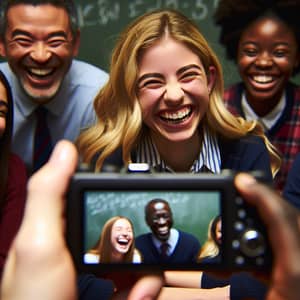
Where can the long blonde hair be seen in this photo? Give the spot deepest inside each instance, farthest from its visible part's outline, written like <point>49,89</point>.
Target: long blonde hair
<point>117,107</point>
<point>103,247</point>
<point>210,248</point>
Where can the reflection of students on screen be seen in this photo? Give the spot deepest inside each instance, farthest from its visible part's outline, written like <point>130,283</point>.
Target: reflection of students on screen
<point>115,245</point>
<point>210,251</point>
<point>164,243</point>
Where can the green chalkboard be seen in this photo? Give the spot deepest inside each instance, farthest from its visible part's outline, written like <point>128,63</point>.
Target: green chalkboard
<point>192,211</point>
<point>102,20</point>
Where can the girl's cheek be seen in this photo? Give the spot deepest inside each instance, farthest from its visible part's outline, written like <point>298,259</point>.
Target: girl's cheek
<point>2,126</point>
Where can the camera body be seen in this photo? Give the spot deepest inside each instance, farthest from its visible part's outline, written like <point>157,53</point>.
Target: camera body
<point>195,199</point>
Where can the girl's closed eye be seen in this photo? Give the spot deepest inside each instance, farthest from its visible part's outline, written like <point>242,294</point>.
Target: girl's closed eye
<point>280,52</point>
<point>189,76</point>
<point>250,51</point>
<point>189,73</point>
<point>152,84</point>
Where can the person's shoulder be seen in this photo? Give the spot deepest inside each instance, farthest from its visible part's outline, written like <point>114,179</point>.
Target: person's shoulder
<point>113,162</point>
<point>249,145</point>
<point>83,65</point>
<point>17,169</point>
<point>251,139</point>
<point>6,70</point>
<point>86,71</point>
<point>294,170</point>
<point>143,235</point>
<point>187,236</point>
<point>15,162</point>
<point>291,190</point>
<point>4,66</point>
<point>297,160</point>
<point>248,153</point>
<point>245,142</point>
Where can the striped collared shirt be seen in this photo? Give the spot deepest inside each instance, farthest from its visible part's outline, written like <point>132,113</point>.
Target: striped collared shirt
<point>209,159</point>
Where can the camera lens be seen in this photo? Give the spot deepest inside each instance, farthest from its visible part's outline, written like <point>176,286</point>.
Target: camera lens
<point>252,243</point>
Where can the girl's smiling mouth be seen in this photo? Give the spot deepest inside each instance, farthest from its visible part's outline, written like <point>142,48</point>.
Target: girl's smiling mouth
<point>177,116</point>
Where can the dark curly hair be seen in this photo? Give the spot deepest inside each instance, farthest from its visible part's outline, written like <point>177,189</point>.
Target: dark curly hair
<point>233,16</point>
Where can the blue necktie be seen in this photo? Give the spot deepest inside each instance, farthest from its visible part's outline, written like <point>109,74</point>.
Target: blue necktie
<point>42,139</point>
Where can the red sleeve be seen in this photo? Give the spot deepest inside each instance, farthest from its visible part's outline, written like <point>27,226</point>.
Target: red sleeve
<point>12,213</point>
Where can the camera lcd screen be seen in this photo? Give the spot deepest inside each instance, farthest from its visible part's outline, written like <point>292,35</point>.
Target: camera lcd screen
<point>162,222</point>
<point>115,222</point>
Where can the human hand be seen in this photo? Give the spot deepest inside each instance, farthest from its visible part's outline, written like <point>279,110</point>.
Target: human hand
<point>283,226</point>
<point>39,264</point>
<point>146,288</point>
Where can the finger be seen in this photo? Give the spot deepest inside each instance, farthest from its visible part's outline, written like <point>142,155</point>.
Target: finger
<point>39,262</point>
<point>49,184</point>
<point>146,288</point>
<point>43,221</point>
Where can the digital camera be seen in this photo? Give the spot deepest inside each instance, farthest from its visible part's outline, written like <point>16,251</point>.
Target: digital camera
<point>194,199</point>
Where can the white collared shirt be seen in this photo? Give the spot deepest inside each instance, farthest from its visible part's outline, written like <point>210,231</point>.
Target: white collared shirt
<point>270,119</point>
<point>209,158</point>
<point>172,241</point>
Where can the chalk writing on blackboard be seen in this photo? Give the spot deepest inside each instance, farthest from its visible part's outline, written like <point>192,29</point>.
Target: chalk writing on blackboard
<point>106,12</point>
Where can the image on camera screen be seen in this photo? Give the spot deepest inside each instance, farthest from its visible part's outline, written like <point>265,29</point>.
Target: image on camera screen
<point>151,227</point>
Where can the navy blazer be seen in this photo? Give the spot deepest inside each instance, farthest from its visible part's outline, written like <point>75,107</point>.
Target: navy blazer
<point>291,191</point>
<point>185,251</point>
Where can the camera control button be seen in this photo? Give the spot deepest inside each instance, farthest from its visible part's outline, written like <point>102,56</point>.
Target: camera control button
<point>241,213</point>
<point>239,200</point>
<point>239,226</point>
<point>252,243</point>
<point>235,244</point>
<point>239,260</point>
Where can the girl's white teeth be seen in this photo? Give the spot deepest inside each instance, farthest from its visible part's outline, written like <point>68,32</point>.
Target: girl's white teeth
<point>178,115</point>
<point>263,78</point>
<point>122,240</point>
<point>40,72</point>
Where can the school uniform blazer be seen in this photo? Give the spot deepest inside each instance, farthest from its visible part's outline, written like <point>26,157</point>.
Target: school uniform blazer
<point>291,191</point>
<point>185,251</point>
<point>284,134</point>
